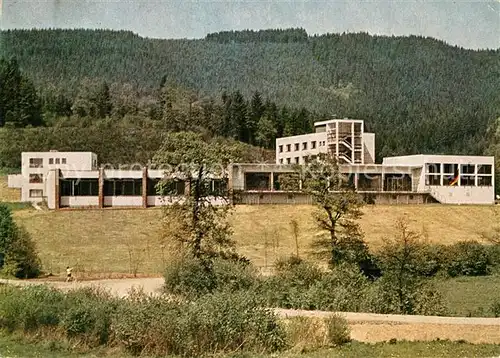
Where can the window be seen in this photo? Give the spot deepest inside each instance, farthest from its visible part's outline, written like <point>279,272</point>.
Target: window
<point>51,160</point>
<point>304,146</point>
<point>484,169</point>
<point>296,147</point>
<point>36,178</point>
<point>484,181</point>
<point>281,148</point>
<point>467,180</point>
<point>313,144</point>
<point>433,168</point>
<point>281,160</point>
<point>450,168</point>
<point>288,147</point>
<point>296,160</point>
<point>63,160</point>
<point>125,187</point>
<point>36,193</point>
<point>468,169</point>
<point>36,163</point>
<point>86,187</point>
<point>306,159</point>
<point>433,180</point>
<point>160,187</point>
<point>58,161</point>
<point>79,187</point>
<point>288,161</point>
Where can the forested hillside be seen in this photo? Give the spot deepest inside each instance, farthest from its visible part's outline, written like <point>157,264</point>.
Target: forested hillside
<point>418,94</point>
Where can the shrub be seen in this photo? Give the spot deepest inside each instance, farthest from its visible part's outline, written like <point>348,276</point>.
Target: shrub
<point>218,322</point>
<point>337,330</point>
<point>495,308</point>
<point>30,308</point>
<point>305,333</point>
<point>88,315</point>
<point>468,258</point>
<point>191,278</point>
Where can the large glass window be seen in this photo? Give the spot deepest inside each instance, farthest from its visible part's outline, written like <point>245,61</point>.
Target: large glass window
<point>484,181</point>
<point>468,169</point>
<point>79,187</point>
<point>433,180</point>
<point>484,169</point>
<point>123,187</point>
<point>433,167</point>
<point>467,180</point>
<point>450,168</point>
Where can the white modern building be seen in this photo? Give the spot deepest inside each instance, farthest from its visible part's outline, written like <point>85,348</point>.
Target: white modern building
<point>74,179</point>
<point>344,138</point>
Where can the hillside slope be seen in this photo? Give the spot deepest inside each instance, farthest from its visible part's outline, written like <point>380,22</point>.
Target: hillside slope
<point>418,94</point>
<point>121,241</point>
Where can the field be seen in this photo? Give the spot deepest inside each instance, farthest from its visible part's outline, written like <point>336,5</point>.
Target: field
<point>11,346</point>
<point>125,241</point>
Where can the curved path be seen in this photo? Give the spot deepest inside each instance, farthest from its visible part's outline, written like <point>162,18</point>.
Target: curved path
<point>365,327</point>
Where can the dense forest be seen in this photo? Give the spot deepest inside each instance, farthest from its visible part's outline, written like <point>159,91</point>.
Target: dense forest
<point>419,95</point>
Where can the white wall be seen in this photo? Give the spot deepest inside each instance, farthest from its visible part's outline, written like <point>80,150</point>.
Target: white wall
<point>15,181</point>
<point>369,147</point>
<point>123,201</point>
<point>301,153</point>
<point>79,201</point>
<point>464,194</point>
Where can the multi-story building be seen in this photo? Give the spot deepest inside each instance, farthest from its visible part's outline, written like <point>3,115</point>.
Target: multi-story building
<point>343,138</point>
<point>73,179</point>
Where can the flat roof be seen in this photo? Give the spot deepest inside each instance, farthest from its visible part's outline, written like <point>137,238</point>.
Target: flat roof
<point>322,123</point>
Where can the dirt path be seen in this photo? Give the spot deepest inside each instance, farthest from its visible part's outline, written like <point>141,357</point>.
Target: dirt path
<point>365,327</point>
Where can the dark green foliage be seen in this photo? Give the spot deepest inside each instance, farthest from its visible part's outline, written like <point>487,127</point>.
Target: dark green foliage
<point>418,94</point>
<point>468,258</point>
<point>19,102</point>
<point>278,35</point>
<point>300,284</point>
<point>188,277</point>
<point>30,308</point>
<point>18,256</point>
<point>495,308</point>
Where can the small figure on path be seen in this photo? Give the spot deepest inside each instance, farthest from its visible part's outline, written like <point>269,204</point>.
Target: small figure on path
<point>69,277</point>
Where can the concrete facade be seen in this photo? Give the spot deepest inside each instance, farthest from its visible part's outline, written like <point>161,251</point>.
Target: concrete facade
<point>77,182</point>
<point>343,138</point>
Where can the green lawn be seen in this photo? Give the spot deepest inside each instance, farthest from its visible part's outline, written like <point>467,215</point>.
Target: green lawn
<point>16,347</point>
<point>470,296</point>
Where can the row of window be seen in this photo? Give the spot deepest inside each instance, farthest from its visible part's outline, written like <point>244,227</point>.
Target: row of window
<point>296,160</point>
<point>435,168</point>
<point>462,180</point>
<point>38,162</point>
<point>296,146</point>
<point>133,187</point>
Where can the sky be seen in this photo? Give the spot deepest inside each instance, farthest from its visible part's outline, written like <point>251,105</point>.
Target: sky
<point>469,24</point>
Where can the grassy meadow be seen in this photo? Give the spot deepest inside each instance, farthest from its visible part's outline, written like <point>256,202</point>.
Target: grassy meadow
<point>129,240</point>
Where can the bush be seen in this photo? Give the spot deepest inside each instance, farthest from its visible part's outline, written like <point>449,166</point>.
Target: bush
<point>337,330</point>
<point>299,284</point>
<point>30,308</point>
<point>88,315</point>
<point>189,277</point>
<point>305,333</point>
<point>495,308</point>
<point>468,258</point>
<point>420,297</point>
<point>219,322</point>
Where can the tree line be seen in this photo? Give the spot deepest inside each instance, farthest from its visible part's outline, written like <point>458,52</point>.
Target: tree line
<point>419,95</point>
